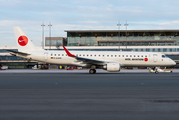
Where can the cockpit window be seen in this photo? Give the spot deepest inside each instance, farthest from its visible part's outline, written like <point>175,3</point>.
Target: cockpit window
<point>164,56</point>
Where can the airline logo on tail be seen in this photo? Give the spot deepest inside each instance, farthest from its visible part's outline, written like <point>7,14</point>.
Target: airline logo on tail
<point>23,40</point>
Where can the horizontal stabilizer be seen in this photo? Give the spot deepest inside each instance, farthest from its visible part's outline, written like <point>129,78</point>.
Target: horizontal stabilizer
<point>22,53</point>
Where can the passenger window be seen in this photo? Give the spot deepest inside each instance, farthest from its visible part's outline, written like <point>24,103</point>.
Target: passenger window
<point>103,55</point>
<point>130,55</point>
<point>95,55</point>
<point>134,55</point>
<point>115,55</point>
<point>138,56</point>
<point>66,54</point>
<point>141,55</point>
<point>58,54</point>
<point>119,55</point>
<point>126,55</point>
<point>99,55</point>
<point>62,54</point>
<point>54,54</point>
<point>122,55</point>
<point>80,55</point>
<point>91,55</point>
<point>83,55</point>
<point>146,56</point>
<point>51,54</point>
<point>163,56</point>
<point>107,55</point>
<point>111,55</point>
<point>87,55</point>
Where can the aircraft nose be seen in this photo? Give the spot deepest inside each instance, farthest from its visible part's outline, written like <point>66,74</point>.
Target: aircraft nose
<point>173,62</point>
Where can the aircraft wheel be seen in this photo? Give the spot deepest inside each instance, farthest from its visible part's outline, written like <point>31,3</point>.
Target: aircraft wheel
<point>156,72</point>
<point>92,71</point>
<point>171,71</point>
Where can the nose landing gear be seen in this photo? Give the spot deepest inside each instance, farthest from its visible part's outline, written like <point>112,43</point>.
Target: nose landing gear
<point>157,70</point>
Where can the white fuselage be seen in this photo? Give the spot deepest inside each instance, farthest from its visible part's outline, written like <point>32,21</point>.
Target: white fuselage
<point>133,59</point>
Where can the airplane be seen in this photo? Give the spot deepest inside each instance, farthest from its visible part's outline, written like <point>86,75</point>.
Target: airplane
<point>112,61</point>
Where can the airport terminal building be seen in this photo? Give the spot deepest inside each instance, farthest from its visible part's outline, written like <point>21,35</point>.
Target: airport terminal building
<point>165,41</point>
<point>123,37</point>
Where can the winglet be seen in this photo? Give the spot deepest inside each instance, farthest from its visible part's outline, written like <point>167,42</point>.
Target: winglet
<point>68,53</point>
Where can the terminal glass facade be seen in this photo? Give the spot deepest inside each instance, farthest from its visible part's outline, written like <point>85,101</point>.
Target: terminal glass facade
<point>116,38</point>
<point>55,41</point>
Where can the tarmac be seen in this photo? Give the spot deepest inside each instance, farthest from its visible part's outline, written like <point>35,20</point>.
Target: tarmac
<point>76,71</point>
<point>78,95</point>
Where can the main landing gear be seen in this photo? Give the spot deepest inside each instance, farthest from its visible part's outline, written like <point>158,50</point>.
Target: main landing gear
<point>92,71</point>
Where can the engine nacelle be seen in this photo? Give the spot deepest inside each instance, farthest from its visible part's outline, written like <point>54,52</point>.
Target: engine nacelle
<point>112,67</point>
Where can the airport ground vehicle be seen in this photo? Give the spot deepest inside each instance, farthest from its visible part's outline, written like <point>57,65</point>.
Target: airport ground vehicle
<point>40,66</point>
<point>2,68</point>
<point>111,61</point>
<point>80,68</point>
<point>70,68</point>
<point>159,70</point>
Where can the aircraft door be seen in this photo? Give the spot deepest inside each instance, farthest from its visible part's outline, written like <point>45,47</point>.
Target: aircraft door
<point>46,56</point>
<point>155,57</point>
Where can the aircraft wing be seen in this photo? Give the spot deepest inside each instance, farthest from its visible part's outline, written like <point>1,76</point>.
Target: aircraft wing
<point>16,52</point>
<point>88,60</point>
<point>85,60</point>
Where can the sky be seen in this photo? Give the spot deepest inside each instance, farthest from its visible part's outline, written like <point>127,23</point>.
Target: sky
<point>83,15</point>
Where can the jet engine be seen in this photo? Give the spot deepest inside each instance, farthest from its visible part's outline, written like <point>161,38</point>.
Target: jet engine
<point>112,67</point>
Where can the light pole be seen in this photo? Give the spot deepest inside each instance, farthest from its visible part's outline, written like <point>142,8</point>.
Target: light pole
<point>42,35</point>
<point>50,32</point>
<point>126,33</point>
<point>118,38</point>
